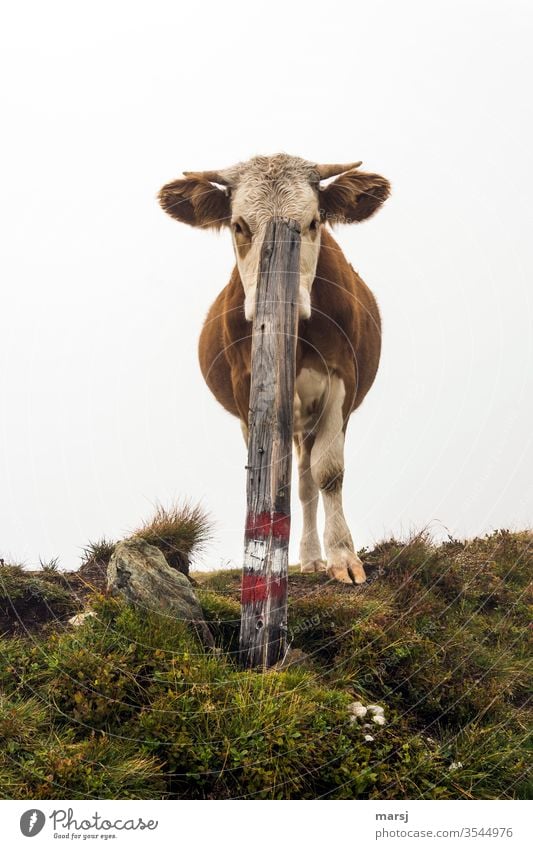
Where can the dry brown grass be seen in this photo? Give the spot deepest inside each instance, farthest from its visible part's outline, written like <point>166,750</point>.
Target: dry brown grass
<point>179,531</point>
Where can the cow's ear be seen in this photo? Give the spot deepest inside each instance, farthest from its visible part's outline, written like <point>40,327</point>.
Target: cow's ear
<point>196,202</point>
<point>353,196</point>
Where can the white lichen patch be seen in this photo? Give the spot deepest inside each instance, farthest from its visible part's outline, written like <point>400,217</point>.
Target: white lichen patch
<point>80,618</point>
<point>375,713</point>
<point>357,709</point>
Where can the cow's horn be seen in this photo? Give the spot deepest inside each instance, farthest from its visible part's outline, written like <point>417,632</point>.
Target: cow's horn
<point>325,171</point>
<point>210,176</point>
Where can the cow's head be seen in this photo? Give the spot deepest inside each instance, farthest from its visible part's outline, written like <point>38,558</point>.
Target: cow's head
<point>246,196</point>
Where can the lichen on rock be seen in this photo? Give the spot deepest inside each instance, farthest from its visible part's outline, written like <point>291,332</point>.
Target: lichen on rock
<point>140,573</point>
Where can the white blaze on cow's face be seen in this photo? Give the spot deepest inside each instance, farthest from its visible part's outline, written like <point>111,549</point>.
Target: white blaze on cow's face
<point>282,187</point>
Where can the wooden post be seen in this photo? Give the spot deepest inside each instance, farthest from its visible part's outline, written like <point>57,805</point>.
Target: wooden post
<point>263,637</point>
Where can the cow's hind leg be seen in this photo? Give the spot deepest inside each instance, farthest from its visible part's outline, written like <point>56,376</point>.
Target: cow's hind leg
<point>327,467</point>
<point>310,549</point>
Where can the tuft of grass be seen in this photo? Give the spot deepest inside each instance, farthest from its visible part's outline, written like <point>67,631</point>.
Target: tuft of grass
<point>98,552</point>
<point>179,531</point>
<point>50,566</point>
<point>53,765</point>
<point>95,560</point>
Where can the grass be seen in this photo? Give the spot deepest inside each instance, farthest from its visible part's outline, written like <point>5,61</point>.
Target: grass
<point>98,552</point>
<point>177,531</point>
<point>28,600</point>
<point>130,705</point>
<point>50,566</point>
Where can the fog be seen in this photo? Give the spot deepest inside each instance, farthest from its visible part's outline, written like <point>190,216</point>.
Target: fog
<point>104,410</point>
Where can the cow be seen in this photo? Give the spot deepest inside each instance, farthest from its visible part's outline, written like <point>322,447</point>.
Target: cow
<point>339,327</point>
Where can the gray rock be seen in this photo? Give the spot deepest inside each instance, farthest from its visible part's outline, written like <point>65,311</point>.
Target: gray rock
<point>292,657</point>
<point>140,573</point>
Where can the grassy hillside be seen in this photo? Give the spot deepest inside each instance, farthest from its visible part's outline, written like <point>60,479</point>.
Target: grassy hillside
<point>129,705</point>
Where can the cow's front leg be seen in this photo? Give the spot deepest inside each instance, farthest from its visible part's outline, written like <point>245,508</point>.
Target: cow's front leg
<point>327,466</point>
<point>310,550</point>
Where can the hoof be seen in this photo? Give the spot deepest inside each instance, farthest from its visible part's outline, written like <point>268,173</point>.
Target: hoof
<point>345,566</point>
<point>313,566</point>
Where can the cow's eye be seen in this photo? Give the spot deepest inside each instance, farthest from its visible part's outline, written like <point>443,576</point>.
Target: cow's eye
<point>240,228</point>
<point>313,225</point>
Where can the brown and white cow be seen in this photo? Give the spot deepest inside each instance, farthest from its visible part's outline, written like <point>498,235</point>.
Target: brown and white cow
<point>339,332</point>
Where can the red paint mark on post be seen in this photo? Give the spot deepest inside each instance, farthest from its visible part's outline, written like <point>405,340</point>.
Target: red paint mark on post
<point>258,588</point>
<point>264,525</point>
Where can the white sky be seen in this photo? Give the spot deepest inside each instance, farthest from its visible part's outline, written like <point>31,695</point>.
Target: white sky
<point>103,408</point>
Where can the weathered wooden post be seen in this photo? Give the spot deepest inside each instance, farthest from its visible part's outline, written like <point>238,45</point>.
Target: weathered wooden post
<point>263,637</point>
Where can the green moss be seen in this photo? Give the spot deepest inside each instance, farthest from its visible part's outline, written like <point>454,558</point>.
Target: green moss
<point>16,584</point>
<point>27,600</point>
